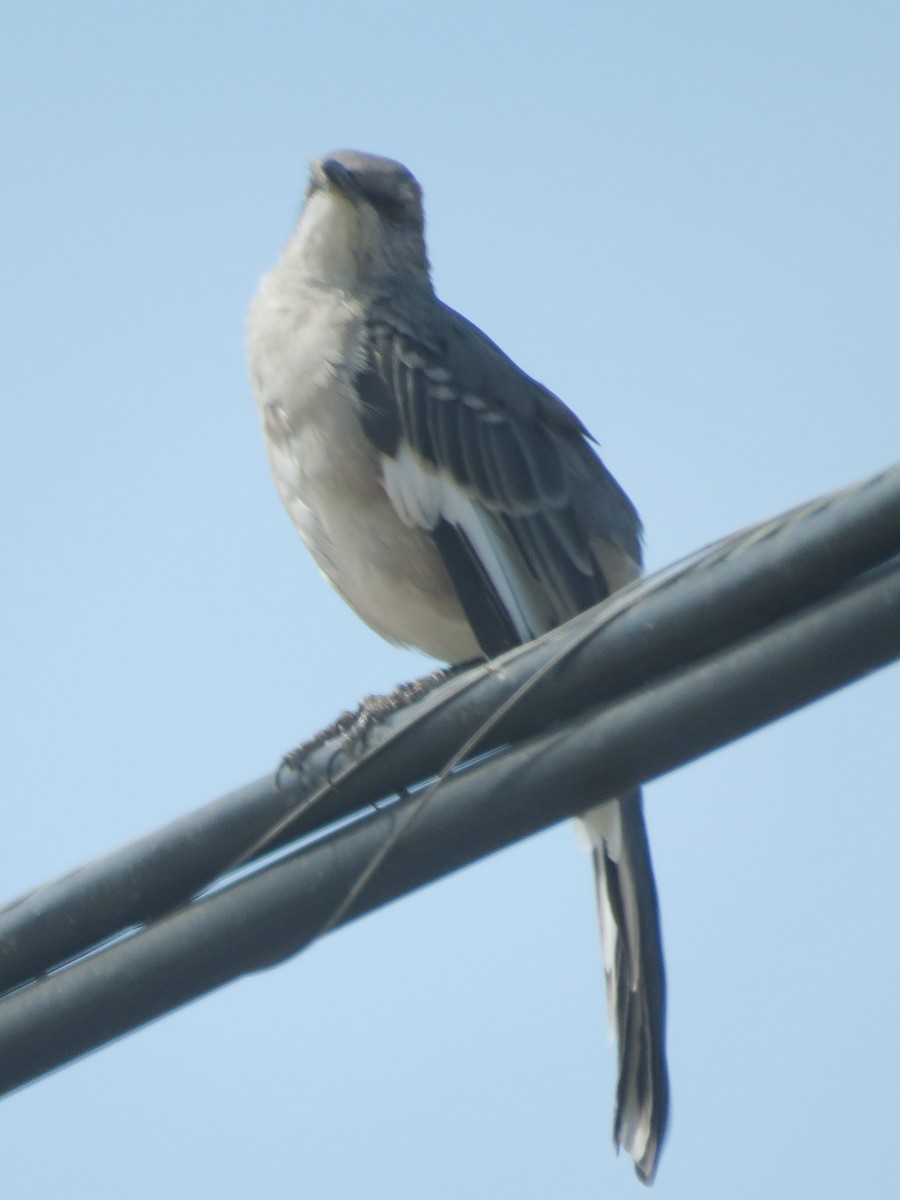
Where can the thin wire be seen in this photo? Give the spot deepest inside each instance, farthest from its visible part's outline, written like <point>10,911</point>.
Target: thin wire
<point>622,601</point>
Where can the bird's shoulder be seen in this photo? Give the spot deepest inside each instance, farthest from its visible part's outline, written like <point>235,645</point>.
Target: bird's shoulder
<point>422,333</point>
<point>434,386</point>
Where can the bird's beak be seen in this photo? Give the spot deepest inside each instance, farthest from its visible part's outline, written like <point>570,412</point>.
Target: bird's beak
<point>332,174</point>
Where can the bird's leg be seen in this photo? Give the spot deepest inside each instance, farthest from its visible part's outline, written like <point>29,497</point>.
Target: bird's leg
<point>353,726</point>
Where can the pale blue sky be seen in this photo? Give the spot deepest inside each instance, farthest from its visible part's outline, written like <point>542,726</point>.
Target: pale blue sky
<point>683,219</point>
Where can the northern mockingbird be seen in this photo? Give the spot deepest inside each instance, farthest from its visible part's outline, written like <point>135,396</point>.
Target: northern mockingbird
<point>458,506</point>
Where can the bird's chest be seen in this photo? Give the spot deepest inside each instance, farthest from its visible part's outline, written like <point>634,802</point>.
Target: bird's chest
<point>302,361</point>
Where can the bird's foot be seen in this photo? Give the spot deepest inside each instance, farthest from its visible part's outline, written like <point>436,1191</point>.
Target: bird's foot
<point>353,726</point>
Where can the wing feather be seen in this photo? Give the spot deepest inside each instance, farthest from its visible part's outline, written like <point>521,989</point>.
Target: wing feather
<point>515,478</point>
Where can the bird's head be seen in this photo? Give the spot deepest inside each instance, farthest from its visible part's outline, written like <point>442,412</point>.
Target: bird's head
<point>362,220</point>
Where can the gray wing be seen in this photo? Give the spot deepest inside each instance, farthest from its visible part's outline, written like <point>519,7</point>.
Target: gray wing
<point>532,529</point>
<point>531,526</point>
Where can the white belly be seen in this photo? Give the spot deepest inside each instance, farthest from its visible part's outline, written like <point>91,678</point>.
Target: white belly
<point>329,478</point>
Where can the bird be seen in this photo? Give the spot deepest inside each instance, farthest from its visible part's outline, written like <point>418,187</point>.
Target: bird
<point>459,507</point>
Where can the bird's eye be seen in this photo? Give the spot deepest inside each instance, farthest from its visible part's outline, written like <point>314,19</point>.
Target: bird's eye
<point>392,209</point>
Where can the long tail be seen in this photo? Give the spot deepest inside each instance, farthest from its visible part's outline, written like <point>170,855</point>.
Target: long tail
<point>635,976</point>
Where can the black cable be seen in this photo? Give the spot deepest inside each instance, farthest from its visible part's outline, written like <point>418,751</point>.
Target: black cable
<point>605,750</point>
<point>677,617</point>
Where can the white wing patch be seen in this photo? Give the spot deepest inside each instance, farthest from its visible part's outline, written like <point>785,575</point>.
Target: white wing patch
<point>423,495</point>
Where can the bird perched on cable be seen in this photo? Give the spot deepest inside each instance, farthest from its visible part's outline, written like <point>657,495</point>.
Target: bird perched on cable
<point>458,506</point>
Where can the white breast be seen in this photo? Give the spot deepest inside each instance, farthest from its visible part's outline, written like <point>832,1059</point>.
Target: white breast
<point>329,475</point>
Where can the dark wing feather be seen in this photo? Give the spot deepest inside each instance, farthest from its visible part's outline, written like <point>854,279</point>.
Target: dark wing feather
<point>484,608</point>
<point>469,418</point>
